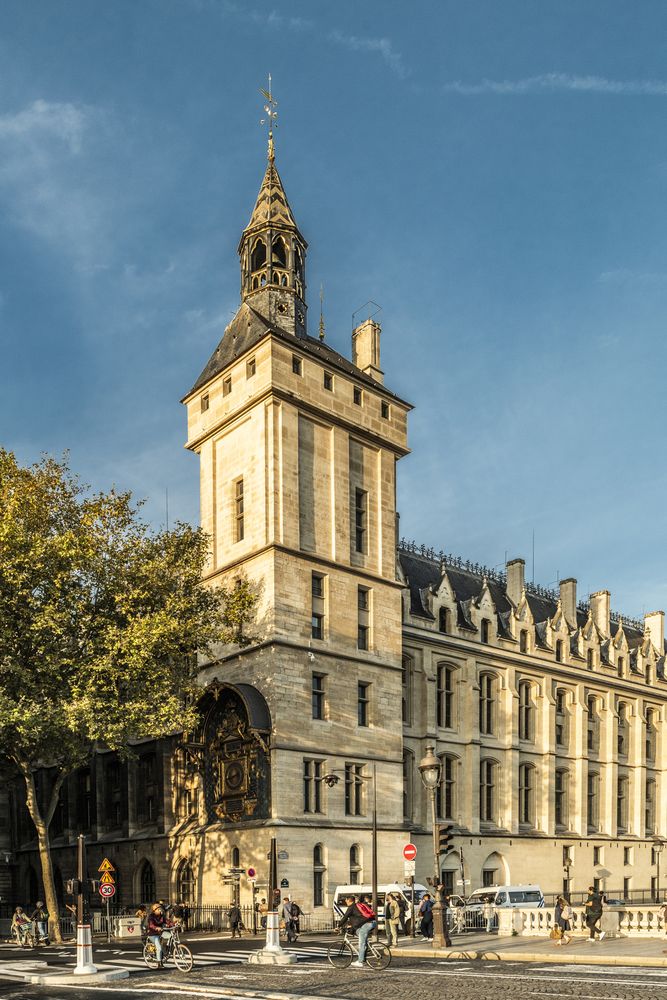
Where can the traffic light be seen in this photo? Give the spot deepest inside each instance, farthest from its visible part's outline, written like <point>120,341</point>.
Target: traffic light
<point>445,837</point>
<point>73,887</point>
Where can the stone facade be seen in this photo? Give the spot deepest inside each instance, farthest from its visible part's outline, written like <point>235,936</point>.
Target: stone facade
<point>549,715</point>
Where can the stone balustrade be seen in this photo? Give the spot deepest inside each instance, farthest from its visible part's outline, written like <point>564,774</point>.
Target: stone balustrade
<point>618,921</point>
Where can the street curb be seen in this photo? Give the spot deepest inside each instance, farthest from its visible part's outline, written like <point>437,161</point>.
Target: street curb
<point>59,979</point>
<point>565,958</point>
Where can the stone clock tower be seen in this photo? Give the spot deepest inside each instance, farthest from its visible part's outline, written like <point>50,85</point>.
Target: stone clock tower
<point>298,448</point>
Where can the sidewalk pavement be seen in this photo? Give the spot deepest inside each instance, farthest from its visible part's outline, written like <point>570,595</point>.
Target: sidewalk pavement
<point>635,951</point>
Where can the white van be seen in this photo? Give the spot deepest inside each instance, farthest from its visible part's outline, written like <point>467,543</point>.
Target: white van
<point>339,905</point>
<point>503,896</point>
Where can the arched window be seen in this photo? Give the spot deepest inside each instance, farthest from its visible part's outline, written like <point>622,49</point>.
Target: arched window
<point>593,730</point>
<point>408,784</point>
<point>279,252</point>
<point>526,712</point>
<point>622,730</point>
<point>562,721</point>
<point>406,682</point>
<point>622,804</point>
<point>298,263</point>
<point>593,801</point>
<point>527,795</point>
<point>487,704</point>
<point>236,857</point>
<point>319,870</point>
<point>445,795</point>
<point>355,865</point>
<point>258,257</point>
<point>650,737</point>
<point>649,807</point>
<point>561,789</point>
<point>185,883</point>
<point>488,793</point>
<point>445,696</point>
<point>147,883</point>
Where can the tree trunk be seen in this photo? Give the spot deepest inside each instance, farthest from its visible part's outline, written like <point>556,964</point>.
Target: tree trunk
<point>42,827</point>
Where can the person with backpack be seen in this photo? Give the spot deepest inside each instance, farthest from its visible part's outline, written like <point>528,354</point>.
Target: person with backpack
<point>40,918</point>
<point>296,916</point>
<point>426,913</point>
<point>361,920</point>
<point>562,916</point>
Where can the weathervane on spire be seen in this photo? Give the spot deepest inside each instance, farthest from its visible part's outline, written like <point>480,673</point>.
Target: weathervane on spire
<point>270,109</point>
<point>321,312</point>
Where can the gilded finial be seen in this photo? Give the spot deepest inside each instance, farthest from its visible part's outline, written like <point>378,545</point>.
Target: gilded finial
<point>321,312</point>
<point>270,109</point>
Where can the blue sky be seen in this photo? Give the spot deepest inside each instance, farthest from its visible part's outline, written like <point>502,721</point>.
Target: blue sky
<point>493,174</point>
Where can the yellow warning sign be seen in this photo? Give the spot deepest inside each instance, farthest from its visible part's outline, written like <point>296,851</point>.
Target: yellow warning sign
<point>107,878</point>
<point>106,866</point>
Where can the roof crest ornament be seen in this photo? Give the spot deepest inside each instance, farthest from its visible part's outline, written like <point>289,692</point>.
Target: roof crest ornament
<point>271,112</point>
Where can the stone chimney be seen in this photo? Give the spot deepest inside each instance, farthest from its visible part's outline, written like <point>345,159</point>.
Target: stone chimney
<point>515,579</point>
<point>654,624</point>
<point>568,600</point>
<point>600,608</point>
<point>366,349</point>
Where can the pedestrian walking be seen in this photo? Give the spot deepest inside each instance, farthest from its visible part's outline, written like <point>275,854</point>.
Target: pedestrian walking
<point>40,918</point>
<point>489,913</point>
<point>403,906</point>
<point>563,915</point>
<point>263,910</point>
<point>593,908</point>
<point>392,919</point>
<point>297,913</point>
<point>288,920</point>
<point>235,922</point>
<point>426,914</point>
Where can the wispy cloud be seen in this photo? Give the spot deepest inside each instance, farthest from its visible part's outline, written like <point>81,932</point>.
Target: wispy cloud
<point>46,118</point>
<point>547,83</point>
<point>381,46</point>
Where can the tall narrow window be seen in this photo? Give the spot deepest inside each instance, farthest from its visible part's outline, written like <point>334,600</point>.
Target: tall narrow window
<point>622,742</point>
<point>319,871</point>
<point>363,703</point>
<point>487,791</point>
<point>384,409</point>
<point>593,730</point>
<point>354,789</point>
<point>649,809</point>
<point>523,641</point>
<point>620,667</point>
<point>559,650</point>
<point>593,802</point>
<point>364,617</point>
<point>622,804</point>
<point>650,737</point>
<point>445,799</point>
<point>526,712</point>
<point>562,728</point>
<point>312,786</point>
<point>317,696</point>
<point>205,402</point>
<point>445,696</point>
<point>250,367</point>
<point>561,789</point>
<point>355,865</point>
<point>485,630</point>
<point>406,690</point>
<point>318,590</point>
<point>487,705</point>
<point>356,395</point>
<point>360,519</point>
<point>297,366</point>
<point>590,659</point>
<point>328,381</point>
<point>239,511</point>
<point>227,385</point>
<point>527,795</point>
<point>443,619</point>
<point>408,786</point>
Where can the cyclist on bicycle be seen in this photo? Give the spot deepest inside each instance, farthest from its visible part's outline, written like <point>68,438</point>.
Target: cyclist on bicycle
<point>21,924</point>
<point>361,920</point>
<point>157,924</point>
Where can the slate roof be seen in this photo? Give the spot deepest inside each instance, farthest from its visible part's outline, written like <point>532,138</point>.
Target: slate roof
<point>249,327</point>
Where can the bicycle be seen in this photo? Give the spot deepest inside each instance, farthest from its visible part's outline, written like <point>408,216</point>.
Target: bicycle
<point>378,955</point>
<point>25,938</point>
<point>172,949</point>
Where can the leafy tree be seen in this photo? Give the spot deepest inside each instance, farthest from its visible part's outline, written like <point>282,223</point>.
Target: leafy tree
<point>101,621</point>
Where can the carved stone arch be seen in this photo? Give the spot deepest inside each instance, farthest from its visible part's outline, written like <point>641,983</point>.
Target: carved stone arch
<point>231,750</point>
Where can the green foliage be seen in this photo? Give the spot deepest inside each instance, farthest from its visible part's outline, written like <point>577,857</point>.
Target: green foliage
<point>100,619</point>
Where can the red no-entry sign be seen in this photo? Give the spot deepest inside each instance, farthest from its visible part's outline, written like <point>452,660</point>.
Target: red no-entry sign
<point>409,852</point>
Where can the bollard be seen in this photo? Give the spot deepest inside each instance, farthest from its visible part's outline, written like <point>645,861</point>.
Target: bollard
<point>84,951</point>
<point>272,953</point>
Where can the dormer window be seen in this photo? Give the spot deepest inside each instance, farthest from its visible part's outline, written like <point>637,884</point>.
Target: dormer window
<point>485,630</point>
<point>523,641</point>
<point>443,619</point>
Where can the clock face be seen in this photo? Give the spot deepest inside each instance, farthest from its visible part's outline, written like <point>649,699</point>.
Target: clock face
<point>234,775</point>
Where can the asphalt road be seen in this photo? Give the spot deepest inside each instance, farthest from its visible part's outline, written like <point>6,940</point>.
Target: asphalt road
<point>417,979</point>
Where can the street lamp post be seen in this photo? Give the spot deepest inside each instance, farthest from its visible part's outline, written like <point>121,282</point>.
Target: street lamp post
<point>331,779</point>
<point>658,847</point>
<point>430,768</point>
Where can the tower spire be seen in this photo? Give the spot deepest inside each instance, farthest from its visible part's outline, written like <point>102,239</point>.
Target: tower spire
<point>271,112</point>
